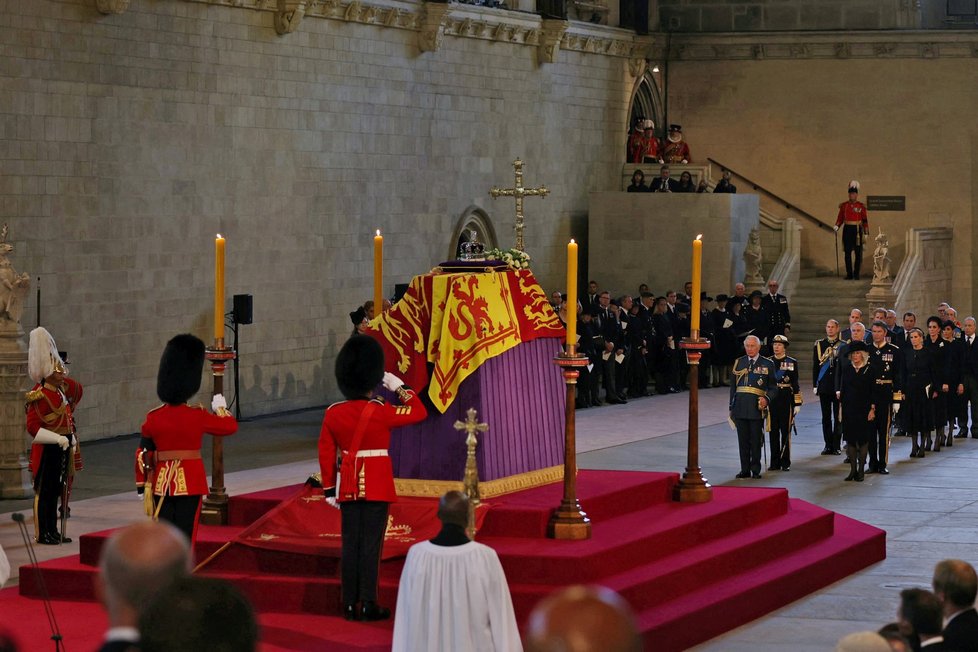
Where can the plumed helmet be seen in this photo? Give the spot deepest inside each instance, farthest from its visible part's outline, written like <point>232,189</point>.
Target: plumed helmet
<point>42,356</point>
<point>854,186</point>
<point>180,369</point>
<point>359,366</point>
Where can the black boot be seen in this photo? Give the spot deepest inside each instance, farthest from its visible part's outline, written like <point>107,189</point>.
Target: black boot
<point>373,611</point>
<point>916,446</point>
<point>928,442</point>
<point>851,456</point>
<point>939,440</point>
<point>350,612</point>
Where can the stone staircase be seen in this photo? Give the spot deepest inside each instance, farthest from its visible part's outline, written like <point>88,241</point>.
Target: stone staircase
<point>818,298</point>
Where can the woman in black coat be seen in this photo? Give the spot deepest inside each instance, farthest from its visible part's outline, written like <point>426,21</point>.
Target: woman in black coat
<point>917,380</point>
<point>942,366</point>
<point>859,395</point>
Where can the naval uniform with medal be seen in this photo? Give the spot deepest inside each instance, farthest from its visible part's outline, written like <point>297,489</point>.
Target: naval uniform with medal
<point>752,389</point>
<point>886,359</point>
<point>785,406</point>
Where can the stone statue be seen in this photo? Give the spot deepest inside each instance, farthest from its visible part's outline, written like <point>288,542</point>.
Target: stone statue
<point>13,286</point>
<point>753,257</point>
<point>881,259</point>
<point>14,475</point>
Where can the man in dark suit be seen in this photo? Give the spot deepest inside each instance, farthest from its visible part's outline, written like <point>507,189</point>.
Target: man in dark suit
<point>969,378</point>
<point>775,307</point>
<point>752,389</point>
<point>922,611</point>
<point>137,563</point>
<point>609,327</point>
<point>955,585</point>
<point>663,183</point>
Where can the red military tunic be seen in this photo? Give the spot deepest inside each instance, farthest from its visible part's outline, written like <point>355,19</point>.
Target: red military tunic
<point>636,146</point>
<point>340,424</point>
<point>675,152</point>
<point>51,408</point>
<point>651,147</point>
<point>853,213</point>
<point>178,430</point>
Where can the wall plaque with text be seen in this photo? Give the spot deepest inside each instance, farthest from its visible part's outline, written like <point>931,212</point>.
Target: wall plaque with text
<point>886,202</point>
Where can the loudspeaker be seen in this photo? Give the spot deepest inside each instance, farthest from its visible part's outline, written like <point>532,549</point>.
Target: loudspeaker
<point>242,308</point>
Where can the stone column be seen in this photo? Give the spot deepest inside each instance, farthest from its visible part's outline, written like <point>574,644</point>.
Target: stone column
<point>14,476</point>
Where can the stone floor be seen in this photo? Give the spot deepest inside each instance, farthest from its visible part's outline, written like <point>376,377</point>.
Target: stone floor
<point>929,507</point>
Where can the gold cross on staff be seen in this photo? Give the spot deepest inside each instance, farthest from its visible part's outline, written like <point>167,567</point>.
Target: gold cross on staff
<point>471,426</point>
<point>519,192</point>
<point>470,481</point>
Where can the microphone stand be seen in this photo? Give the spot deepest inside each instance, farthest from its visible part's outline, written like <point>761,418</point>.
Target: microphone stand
<point>41,585</point>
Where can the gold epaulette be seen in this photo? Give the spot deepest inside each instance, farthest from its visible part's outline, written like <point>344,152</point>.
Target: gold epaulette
<point>34,395</point>
<point>378,399</point>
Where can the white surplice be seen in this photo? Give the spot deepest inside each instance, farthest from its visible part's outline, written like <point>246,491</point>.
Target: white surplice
<point>454,598</point>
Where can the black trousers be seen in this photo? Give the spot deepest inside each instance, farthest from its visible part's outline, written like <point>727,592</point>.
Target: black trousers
<point>750,432</point>
<point>48,484</point>
<point>851,244</point>
<point>780,435</point>
<point>831,428</point>
<point>363,526</point>
<point>183,512</point>
<point>970,396</point>
<point>878,443</point>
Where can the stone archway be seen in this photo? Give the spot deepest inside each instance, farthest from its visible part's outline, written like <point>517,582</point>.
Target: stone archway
<point>473,219</point>
<point>647,102</point>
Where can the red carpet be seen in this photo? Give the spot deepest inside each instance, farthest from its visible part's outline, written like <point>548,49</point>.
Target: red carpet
<point>690,572</point>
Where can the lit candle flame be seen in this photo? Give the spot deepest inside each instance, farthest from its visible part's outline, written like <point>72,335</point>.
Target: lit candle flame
<point>699,237</point>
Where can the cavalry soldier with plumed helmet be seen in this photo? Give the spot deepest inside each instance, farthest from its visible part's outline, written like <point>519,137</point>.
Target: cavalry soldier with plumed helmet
<point>51,423</point>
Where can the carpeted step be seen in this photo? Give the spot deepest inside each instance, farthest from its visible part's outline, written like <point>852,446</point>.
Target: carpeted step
<point>209,539</point>
<point>668,577</point>
<point>66,578</point>
<point>718,607</point>
<point>602,496</point>
<point>246,509</point>
<point>624,542</point>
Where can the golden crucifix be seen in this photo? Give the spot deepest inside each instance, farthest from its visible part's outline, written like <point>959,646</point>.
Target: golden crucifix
<point>519,192</point>
<point>470,482</point>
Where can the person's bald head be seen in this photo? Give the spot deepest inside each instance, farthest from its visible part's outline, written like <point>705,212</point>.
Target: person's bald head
<point>454,508</point>
<point>581,619</point>
<point>137,562</point>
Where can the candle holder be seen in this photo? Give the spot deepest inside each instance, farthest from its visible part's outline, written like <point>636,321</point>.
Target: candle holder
<point>214,511</point>
<point>692,486</point>
<point>569,521</point>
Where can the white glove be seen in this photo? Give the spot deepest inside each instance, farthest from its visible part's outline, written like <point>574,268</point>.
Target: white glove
<point>392,382</point>
<point>797,409</point>
<point>815,391</point>
<point>219,403</point>
<point>331,501</point>
<point>896,408</point>
<point>835,228</point>
<point>45,436</point>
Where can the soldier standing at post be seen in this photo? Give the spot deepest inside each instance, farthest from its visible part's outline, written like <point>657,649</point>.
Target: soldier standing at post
<point>855,226</point>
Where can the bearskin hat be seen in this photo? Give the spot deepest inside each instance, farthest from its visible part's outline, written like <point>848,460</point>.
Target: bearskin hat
<point>359,366</point>
<point>180,369</point>
<point>42,355</point>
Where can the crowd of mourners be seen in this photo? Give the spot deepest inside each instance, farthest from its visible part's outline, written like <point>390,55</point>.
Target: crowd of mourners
<point>632,341</point>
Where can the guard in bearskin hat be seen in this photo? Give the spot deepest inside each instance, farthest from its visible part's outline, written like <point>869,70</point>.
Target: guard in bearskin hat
<point>168,460</point>
<point>358,432</point>
<point>51,423</point>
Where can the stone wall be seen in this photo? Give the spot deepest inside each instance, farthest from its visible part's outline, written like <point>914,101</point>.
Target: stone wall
<point>647,238</point>
<point>129,140</point>
<point>805,117</point>
<point>783,15</point>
